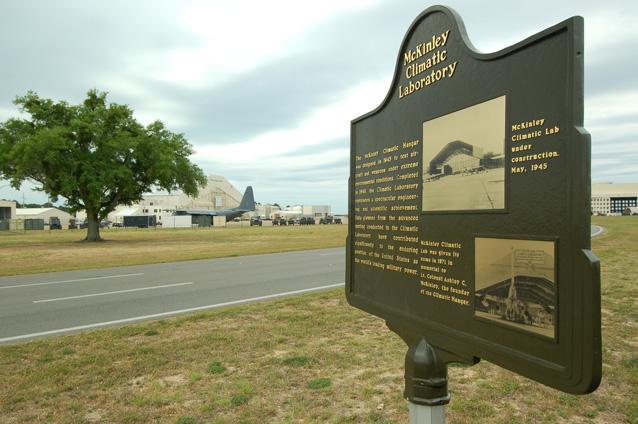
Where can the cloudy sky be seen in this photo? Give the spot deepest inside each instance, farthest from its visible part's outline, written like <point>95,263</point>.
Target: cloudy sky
<point>265,91</point>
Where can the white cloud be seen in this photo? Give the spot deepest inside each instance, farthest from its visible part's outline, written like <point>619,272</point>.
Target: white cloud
<point>6,113</point>
<point>237,36</point>
<point>272,74</point>
<point>612,106</point>
<point>325,124</point>
<point>605,31</point>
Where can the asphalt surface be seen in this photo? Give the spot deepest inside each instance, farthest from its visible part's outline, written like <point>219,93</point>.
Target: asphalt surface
<point>597,231</point>
<point>46,305</point>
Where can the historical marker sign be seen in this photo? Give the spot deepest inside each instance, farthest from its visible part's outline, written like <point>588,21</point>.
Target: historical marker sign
<point>470,203</point>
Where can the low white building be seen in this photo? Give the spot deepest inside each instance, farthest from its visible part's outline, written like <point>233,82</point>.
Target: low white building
<point>45,214</point>
<point>299,211</point>
<point>7,209</point>
<point>613,198</point>
<point>217,194</point>
<point>317,211</point>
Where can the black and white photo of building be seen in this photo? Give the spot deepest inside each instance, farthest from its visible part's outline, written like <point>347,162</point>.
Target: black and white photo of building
<point>463,159</point>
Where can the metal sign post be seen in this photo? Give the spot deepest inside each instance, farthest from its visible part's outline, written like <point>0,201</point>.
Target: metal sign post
<point>421,414</point>
<point>469,210</point>
<point>426,384</point>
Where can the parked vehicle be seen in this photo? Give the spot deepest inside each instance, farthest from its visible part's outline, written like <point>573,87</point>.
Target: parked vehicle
<point>279,221</point>
<point>103,224</point>
<point>54,223</point>
<point>255,220</point>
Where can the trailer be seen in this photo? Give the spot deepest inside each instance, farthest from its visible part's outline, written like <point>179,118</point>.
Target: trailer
<point>177,221</point>
<point>140,221</point>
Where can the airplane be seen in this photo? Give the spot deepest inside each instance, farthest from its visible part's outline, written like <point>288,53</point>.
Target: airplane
<point>247,204</point>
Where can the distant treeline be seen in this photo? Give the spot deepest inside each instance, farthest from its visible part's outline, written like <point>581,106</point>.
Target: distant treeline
<point>44,205</point>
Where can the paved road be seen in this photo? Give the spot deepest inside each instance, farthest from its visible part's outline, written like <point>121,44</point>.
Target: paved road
<point>45,305</point>
<point>596,231</point>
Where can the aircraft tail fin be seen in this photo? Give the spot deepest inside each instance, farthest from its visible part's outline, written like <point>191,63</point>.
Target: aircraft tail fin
<point>248,201</point>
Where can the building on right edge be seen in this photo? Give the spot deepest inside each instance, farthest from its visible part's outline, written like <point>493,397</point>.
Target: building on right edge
<point>613,199</point>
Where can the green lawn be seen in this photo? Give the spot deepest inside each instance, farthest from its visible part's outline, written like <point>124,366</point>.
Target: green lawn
<point>62,250</point>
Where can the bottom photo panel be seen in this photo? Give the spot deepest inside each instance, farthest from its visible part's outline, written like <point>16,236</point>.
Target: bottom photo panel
<point>515,284</point>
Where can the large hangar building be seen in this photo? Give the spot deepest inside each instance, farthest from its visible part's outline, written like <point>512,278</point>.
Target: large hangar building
<point>612,198</point>
<point>458,156</point>
<point>217,194</point>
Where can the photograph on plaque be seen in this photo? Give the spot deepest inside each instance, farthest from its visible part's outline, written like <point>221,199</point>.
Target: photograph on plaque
<point>515,283</point>
<point>464,159</point>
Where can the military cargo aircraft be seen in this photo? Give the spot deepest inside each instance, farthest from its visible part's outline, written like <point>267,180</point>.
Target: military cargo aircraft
<point>247,204</point>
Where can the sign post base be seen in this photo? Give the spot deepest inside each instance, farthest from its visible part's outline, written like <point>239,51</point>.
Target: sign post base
<point>423,414</point>
<point>425,375</point>
<point>426,379</point>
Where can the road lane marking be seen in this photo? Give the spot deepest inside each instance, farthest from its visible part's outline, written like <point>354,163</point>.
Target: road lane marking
<point>597,232</point>
<point>171,313</point>
<point>113,292</point>
<point>73,281</point>
<point>330,254</point>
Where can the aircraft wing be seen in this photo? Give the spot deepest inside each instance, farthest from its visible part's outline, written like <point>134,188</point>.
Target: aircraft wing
<point>194,212</point>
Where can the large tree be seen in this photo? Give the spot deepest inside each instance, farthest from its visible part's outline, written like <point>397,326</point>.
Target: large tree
<point>95,155</point>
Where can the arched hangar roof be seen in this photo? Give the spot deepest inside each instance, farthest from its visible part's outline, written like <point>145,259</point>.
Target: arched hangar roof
<point>450,149</point>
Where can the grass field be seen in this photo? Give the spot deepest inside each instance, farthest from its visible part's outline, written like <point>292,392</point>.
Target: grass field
<point>62,250</point>
<point>307,359</point>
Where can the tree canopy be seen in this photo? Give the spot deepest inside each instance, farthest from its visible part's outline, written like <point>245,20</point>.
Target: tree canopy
<point>95,155</point>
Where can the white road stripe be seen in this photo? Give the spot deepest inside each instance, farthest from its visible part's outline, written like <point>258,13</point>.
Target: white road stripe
<point>113,292</point>
<point>73,281</point>
<point>166,314</point>
<point>597,232</point>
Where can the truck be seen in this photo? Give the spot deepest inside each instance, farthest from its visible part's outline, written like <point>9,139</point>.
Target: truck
<point>326,220</point>
<point>306,220</point>
<point>54,223</point>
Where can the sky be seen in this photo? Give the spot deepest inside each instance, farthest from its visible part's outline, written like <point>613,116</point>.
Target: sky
<point>265,91</point>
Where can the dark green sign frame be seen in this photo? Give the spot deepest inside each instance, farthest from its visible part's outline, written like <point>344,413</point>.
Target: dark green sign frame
<point>469,205</point>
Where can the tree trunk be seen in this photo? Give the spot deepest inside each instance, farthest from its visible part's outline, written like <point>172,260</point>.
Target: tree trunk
<point>93,230</point>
